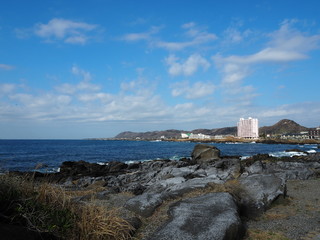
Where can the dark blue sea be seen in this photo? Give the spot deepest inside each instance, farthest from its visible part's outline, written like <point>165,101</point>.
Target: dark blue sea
<point>47,155</point>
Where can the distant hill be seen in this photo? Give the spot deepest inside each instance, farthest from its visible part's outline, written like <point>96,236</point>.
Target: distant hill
<point>150,135</point>
<point>175,133</point>
<point>284,126</point>
<point>217,131</point>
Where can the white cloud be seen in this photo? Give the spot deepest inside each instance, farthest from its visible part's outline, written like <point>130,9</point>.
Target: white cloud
<point>77,39</point>
<point>6,67</point>
<point>65,30</point>
<point>286,44</point>
<point>196,36</point>
<point>46,100</point>
<point>88,97</point>
<point>131,37</point>
<point>290,39</point>
<point>233,34</point>
<point>80,72</point>
<point>197,90</point>
<point>139,107</point>
<point>7,88</point>
<point>187,68</point>
<point>268,55</point>
<point>83,85</point>
<point>234,73</point>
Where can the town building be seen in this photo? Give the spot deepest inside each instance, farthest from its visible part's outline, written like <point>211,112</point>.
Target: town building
<point>314,133</point>
<point>195,136</point>
<point>248,128</point>
<point>299,136</point>
<point>185,135</point>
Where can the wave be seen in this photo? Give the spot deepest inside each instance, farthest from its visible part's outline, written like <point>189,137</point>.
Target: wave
<point>287,154</point>
<point>311,151</point>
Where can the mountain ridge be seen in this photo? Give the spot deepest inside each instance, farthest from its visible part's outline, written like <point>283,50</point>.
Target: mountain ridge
<point>284,126</point>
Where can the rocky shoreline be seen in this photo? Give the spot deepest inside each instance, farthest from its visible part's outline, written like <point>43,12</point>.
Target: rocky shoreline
<point>205,196</point>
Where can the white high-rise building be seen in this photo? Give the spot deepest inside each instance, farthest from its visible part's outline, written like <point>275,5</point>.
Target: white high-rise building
<point>248,128</point>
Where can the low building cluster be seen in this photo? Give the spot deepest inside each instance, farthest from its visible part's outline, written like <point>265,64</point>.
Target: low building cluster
<point>300,136</point>
<point>313,133</point>
<point>195,136</point>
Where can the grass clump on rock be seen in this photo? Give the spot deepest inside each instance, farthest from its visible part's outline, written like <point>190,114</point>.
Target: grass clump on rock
<point>48,209</point>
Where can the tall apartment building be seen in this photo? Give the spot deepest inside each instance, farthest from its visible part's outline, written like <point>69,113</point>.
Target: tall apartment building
<point>248,128</point>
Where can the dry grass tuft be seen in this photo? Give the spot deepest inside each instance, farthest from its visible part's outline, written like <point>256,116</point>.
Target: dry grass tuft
<point>53,195</point>
<point>97,223</point>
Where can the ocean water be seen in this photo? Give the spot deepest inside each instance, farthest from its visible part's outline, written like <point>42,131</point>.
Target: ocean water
<point>47,155</point>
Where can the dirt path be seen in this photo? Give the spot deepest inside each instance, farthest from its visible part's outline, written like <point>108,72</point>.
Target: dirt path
<point>295,218</point>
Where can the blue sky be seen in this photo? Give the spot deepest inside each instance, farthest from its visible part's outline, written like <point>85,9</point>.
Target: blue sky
<point>78,69</point>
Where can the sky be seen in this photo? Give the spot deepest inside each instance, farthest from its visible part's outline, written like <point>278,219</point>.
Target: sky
<point>86,69</point>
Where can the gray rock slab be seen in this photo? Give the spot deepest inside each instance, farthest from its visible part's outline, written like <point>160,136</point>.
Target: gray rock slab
<point>153,197</point>
<point>144,204</point>
<point>260,190</point>
<point>212,216</point>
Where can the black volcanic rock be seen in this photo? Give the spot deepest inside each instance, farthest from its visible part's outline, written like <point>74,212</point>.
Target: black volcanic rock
<point>203,153</point>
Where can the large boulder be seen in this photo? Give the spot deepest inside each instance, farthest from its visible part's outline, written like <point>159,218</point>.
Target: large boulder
<point>259,191</point>
<point>213,216</point>
<point>203,154</point>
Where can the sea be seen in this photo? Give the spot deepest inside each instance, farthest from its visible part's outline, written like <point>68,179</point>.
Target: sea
<point>48,155</point>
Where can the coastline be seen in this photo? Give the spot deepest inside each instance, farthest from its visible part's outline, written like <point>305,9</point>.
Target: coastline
<point>224,140</point>
<point>144,192</point>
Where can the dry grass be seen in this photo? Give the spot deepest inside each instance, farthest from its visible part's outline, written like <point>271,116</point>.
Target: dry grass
<point>48,208</point>
<point>264,235</point>
<point>275,216</point>
<point>97,223</point>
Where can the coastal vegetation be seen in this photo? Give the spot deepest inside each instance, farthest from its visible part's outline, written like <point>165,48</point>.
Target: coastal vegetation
<point>48,211</point>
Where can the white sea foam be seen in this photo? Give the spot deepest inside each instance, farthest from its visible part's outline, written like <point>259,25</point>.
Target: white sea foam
<point>103,163</point>
<point>131,162</point>
<point>311,151</point>
<point>287,154</point>
<point>175,158</point>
